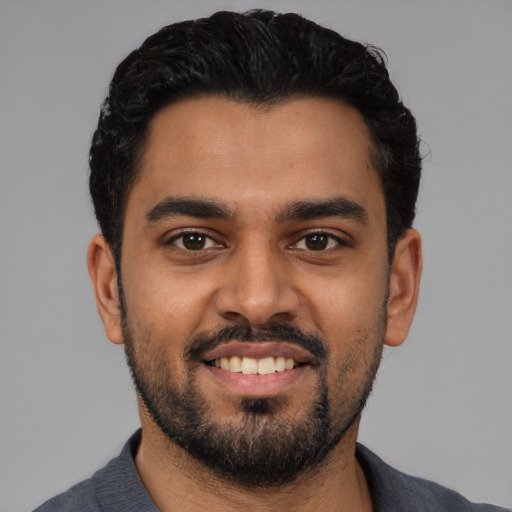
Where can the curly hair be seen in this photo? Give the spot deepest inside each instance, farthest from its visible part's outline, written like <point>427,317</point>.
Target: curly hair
<point>258,57</point>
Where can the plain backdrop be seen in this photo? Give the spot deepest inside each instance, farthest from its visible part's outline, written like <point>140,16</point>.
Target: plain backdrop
<point>442,406</point>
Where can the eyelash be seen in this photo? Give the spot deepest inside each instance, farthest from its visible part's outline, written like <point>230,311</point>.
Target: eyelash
<point>339,242</point>
<point>329,238</point>
<point>180,236</point>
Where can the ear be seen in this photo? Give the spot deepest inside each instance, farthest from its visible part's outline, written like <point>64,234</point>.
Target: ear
<point>102,271</point>
<point>404,286</point>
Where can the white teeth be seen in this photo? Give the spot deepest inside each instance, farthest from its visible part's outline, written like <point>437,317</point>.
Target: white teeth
<point>251,366</point>
<point>280,364</point>
<point>235,364</point>
<point>266,366</point>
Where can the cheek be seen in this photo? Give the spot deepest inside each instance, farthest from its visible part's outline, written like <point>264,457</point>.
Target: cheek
<point>168,307</point>
<point>349,312</point>
<point>355,340</point>
<point>347,301</point>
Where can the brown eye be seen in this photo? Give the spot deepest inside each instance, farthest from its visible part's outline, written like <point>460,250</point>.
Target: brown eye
<point>317,242</point>
<point>193,241</point>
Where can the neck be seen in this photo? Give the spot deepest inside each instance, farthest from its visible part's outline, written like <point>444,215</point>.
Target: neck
<point>176,481</point>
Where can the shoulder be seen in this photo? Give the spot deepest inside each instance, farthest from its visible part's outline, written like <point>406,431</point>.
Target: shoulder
<point>79,497</point>
<point>393,490</point>
<point>116,487</point>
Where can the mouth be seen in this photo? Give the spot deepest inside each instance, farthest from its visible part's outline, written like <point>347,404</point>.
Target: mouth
<point>257,369</point>
<point>253,366</point>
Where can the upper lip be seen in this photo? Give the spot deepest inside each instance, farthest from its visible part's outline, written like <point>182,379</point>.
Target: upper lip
<point>260,350</point>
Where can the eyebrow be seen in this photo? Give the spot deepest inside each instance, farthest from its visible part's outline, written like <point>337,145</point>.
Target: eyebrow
<point>337,207</point>
<point>298,210</point>
<point>199,208</point>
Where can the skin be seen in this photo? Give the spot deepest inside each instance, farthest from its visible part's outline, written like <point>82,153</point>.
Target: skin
<point>257,268</point>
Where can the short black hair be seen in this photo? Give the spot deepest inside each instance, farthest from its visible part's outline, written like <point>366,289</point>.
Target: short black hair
<point>258,57</point>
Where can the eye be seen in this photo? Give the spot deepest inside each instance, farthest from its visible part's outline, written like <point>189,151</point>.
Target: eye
<point>193,241</point>
<point>318,242</point>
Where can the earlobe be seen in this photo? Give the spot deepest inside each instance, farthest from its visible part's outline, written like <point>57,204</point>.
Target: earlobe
<point>404,285</point>
<point>102,271</point>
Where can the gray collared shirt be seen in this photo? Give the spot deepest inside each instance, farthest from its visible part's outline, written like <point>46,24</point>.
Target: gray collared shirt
<point>118,488</point>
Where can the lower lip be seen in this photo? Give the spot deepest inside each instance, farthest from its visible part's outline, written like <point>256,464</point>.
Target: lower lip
<point>257,385</point>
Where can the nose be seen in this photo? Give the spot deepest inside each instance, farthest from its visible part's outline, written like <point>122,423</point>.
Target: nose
<point>257,288</point>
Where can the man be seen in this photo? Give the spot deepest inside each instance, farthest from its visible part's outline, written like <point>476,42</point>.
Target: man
<point>254,177</point>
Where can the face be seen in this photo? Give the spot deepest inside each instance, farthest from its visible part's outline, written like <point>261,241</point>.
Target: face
<point>255,281</point>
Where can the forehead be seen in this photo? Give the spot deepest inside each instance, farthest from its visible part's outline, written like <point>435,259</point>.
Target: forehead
<point>263,157</point>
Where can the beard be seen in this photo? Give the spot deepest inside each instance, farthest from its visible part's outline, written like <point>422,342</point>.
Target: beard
<point>259,447</point>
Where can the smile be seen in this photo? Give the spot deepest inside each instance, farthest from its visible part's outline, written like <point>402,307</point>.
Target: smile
<point>253,366</point>
<point>257,369</point>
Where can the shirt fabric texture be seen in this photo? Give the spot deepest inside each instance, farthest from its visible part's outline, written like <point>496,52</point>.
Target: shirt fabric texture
<point>118,488</point>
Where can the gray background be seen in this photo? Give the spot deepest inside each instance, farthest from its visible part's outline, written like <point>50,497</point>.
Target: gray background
<point>442,406</point>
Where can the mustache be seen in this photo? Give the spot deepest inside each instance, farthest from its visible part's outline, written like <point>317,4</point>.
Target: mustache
<point>206,341</point>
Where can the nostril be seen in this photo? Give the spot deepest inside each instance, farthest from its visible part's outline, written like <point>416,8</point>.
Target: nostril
<point>235,318</point>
